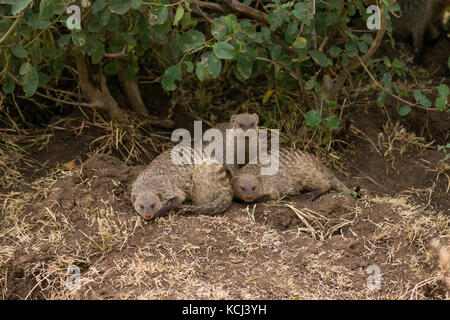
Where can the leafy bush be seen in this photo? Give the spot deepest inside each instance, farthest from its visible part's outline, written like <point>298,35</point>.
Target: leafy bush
<point>293,44</point>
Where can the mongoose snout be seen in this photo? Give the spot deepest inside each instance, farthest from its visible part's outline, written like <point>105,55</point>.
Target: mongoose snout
<point>246,187</point>
<point>147,204</point>
<point>245,121</point>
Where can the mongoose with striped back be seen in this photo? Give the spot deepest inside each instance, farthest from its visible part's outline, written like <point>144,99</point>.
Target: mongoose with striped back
<point>165,185</point>
<point>297,171</point>
<point>246,122</point>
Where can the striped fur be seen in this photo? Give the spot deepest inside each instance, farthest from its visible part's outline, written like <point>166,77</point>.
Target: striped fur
<point>298,171</point>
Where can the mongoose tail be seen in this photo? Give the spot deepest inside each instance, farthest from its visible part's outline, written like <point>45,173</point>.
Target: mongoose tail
<point>211,189</point>
<point>217,206</point>
<point>210,192</point>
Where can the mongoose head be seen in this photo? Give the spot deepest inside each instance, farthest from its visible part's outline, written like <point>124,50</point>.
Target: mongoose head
<point>147,204</point>
<point>245,121</point>
<point>246,187</point>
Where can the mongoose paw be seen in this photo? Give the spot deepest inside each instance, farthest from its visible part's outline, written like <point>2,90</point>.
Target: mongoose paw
<point>172,204</point>
<point>314,195</point>
<point>311,197</point>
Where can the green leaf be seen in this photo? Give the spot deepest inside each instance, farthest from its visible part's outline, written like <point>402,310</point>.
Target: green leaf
<point>244,65</point>
<point>362,46</point>
<point>224,50</point>
<point>136,3</point>
<point>420,98</point>
<point>178,14</point>
<point>112,67</point>
<point>332,105</point>
<point>45,9</point>
<point>291,31</point>
<point>381,100</point>
<point>192,39</point>
<point>302,11</point>
<point>300,43</point>
<point>16,5</point>
<point>170,75</point>
<point>351,49</point>
<point>57,65</point>
<point>29,78</point>
<point>441,102</point>
<point>335,51</point>
<point>333,122</point>
<point>113,23</point>
<point>79,38</point>
<point>398,64</point>
<point>209,66</point>
<point>275,19</point>
<point>443,90</point>
<point>131,71</point>
<point>403,111</point>
<point>19,51</point>
<point>120,6</point>
<point>42,79</point>
<point>313,118</point>
<point>310,84</point>
<point>219,28</point>
<point>158,15</point>
<point>8,85</point>
<point>189,66</point>
<point>387,79</point>
<point>319,58</point>
<point>99,5</point>
<point>63,41</point>
<point>97,56</point>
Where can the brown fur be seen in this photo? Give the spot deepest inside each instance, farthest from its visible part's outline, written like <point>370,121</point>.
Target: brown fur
<point>164,186</point>
<point>298,171</point>
<point>421,19</point>
<point>244,121</point>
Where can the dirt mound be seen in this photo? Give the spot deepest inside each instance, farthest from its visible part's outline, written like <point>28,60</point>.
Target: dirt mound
<point>83,218</point>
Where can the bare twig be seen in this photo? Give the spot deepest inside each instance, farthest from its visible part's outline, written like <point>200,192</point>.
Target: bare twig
<point>6,35</point>
<point>340,80</point>
<point>235,5</point>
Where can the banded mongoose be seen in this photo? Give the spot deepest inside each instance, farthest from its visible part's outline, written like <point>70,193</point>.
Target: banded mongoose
<point>165,185</point>
<point>297,171</point>
<point>246,122</point>
<point>421,19</point>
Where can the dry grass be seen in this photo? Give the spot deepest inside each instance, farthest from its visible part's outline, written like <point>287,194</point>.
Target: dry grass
<point>396,140</point>
<point>14,147</point>
<point>223,257</point>
<point>133,142</point>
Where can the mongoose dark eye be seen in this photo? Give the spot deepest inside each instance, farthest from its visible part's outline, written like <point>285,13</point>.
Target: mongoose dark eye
<point>254,188</point>
<point>152,206</point>
<point>141,207</point>
<point>242,189</point>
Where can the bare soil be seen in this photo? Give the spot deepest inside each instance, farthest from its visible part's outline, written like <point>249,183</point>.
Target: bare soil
<point>74,209</point>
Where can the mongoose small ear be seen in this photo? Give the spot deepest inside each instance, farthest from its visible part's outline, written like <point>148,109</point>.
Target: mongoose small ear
<point>233,118</point>
<point>255,115</point>
<point>234,180</point>
<point>160,196</point>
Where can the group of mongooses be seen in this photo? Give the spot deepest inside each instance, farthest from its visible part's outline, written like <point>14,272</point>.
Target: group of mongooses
<point>423,20</point>
<point>165,185</point>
